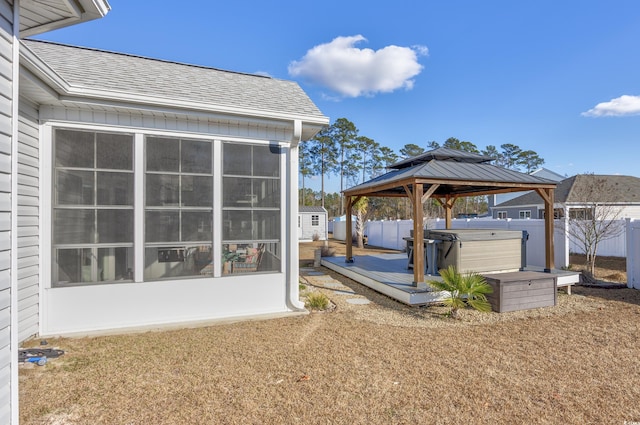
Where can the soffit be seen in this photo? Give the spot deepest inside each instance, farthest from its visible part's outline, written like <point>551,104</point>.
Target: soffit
<point>38,16</point>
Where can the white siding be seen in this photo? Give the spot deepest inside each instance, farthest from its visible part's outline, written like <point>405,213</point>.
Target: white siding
<point>168,122</point>
<point>6,93</point>
<point>28,214</point>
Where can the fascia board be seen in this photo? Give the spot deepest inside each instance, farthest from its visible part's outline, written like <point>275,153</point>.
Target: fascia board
<point>40,69</point>
<point>83,95</point>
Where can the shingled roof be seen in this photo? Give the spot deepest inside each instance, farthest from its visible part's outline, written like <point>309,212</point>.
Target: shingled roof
<point>91,69</point>
<point>616,189</point>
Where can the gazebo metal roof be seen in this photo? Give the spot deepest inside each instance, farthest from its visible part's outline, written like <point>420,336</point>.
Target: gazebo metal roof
<point>446,175</point>
<point>457,173</point>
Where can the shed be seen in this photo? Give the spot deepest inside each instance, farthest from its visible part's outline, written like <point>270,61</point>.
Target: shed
<point>312,223</point>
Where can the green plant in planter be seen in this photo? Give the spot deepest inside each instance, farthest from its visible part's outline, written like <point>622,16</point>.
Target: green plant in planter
<point>463,289</point>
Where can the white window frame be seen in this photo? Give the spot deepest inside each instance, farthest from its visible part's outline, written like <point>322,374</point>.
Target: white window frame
<point>46,190</point>
<point>315,220</point>
<point>524,214</point>
<point>502,215</point>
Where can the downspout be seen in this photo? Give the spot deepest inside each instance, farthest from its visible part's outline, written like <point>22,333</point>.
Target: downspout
<point>292,285</point>
<point>14,212</point>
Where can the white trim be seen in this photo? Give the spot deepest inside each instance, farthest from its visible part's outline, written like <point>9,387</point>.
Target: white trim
<point>217,208</point>
<point>138,208</point>
<point>15,132</point>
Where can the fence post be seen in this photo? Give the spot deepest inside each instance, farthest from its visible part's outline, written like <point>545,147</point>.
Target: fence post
<point>632,229</point>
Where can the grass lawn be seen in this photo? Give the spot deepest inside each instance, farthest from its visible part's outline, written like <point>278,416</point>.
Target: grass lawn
<point>379,363</point>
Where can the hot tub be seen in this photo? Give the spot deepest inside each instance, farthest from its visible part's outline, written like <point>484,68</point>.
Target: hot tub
<point>480,250</point>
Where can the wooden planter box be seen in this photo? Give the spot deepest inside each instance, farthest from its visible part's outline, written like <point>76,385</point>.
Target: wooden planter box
<point>521,290</point>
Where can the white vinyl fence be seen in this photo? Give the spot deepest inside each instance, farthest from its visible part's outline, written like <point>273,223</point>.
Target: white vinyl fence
<point>389,234</point>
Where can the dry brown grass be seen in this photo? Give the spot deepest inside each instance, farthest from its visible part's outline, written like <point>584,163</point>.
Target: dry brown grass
<point>376,364</point>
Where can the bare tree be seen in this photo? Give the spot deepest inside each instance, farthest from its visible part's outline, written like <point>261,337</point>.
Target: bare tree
<point>596,217</point>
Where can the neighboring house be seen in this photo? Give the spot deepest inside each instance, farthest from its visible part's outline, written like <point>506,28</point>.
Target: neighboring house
<point>544,173</point>
<point>312,223</point>
<point>619,191</point>
<point>20,249</point>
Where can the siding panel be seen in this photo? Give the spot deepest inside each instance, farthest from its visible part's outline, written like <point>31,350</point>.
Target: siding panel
<point>6,123</point>
<point>28,218</point>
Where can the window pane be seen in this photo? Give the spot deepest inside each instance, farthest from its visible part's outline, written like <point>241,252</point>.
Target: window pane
<point>115,264</point>
<point>196,226</point>
<point>197,191</point>
<point>163,190</point>
<point>237,192</point>
<point>266,192</point>
<point>266,161</point>
<point>250,257</point>
<point>190,261</point>
<point>237,159</point>
<point>162,226</point>
<point>163,154</point>
<point>115,226</point>
<point>74,148</point>
<point>115,188</point>
<point>74,187</point>
<point>237,225</point>
<point>267,224</point>
<point>73,226</point>
<point>73,266</point>
<point>196,156</point>
<point>114,151</point>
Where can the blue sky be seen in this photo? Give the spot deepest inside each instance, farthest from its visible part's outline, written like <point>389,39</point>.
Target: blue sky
<point>560,78</point>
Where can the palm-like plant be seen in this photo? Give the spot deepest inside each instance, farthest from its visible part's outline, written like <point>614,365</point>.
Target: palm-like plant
<point>463,289</point>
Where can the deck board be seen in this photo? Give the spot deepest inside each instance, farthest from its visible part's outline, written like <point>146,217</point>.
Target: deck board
<point>389,275</point>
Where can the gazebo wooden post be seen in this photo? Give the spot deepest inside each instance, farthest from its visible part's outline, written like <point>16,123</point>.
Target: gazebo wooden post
<point>418,235</point>
<point>447,212</point>
<point>349,233</point>
<point>548,196</point>
<point>548,231</point>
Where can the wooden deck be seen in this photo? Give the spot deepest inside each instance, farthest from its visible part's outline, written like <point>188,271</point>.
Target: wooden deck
<point>389,275</point>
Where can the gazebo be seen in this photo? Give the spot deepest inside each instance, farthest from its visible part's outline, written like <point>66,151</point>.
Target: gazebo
<point>446,175</point>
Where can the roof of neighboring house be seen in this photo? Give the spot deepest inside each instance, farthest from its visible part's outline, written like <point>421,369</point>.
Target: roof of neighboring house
<point>574,189</point>
<point>129,77</point>
<point>456,171</point>
<point>306,209</point>
<point>548,174</point>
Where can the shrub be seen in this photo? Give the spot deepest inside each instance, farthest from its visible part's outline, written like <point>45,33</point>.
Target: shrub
<point>463,290</point>
<point>327,251</point>
<point>317,301</point>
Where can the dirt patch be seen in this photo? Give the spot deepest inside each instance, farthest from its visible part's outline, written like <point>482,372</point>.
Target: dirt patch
<point>609,269</point>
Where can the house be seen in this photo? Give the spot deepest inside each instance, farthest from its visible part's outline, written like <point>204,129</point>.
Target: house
<point>20,178</point>
<point>545,173</point>
<point>576,194</point>
<point>138,192</point>
<point>312,223</point>
<point>170,183</point>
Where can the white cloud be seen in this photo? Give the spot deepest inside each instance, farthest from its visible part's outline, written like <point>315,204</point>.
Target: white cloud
<point>353,72</point>
<point>621,106</point>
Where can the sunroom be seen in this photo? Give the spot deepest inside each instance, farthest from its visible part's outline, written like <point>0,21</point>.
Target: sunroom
<point>167,192</point>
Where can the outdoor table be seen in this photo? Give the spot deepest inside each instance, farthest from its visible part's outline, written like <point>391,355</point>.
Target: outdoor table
<point>430,251</point>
